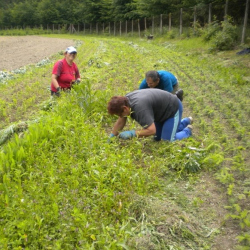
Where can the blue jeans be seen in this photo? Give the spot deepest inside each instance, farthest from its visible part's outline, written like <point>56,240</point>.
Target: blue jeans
<point>173,128</point>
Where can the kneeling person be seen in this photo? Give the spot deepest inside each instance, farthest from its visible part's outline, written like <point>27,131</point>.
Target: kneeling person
<point>157,111</point>
<point>162,79</point>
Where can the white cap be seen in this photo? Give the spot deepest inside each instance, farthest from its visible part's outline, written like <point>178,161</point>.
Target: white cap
<point>71,49</point>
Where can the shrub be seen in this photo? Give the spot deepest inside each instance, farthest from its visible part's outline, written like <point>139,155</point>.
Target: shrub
<point>211,30</point>
<point>172,34</point>
<point>226,38</point>
<point>196,30</point>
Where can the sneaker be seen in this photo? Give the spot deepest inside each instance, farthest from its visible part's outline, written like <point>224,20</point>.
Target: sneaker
<point>190,127</point>
<point>191,119</point>
<point>179,94</point>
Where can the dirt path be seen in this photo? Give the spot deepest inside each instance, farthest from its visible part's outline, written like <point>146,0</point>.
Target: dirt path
<point>19,51</point>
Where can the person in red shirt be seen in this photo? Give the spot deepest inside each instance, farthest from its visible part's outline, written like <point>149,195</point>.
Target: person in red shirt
<point>65,72</point>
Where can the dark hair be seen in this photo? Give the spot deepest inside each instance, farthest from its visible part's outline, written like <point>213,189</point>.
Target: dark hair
<point>153,74</point>
<point>116,104</point>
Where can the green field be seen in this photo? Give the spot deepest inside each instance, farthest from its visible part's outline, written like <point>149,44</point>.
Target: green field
<point>63,186</point>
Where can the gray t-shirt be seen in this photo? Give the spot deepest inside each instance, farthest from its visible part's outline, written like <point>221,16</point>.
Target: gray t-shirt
<point>152,105</point>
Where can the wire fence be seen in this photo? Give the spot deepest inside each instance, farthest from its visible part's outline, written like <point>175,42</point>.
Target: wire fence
<point>182,20</point>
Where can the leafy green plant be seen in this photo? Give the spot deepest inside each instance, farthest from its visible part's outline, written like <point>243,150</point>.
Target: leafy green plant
<point>226,38</point>
<point>196,29</point>
<point>211,30</point>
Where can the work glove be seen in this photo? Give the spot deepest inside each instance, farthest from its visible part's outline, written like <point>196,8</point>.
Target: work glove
<point>127,134</point>
<point>57,93</point>
<point>110,136</point>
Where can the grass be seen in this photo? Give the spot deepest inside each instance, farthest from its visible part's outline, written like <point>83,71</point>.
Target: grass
<point>137,194</point>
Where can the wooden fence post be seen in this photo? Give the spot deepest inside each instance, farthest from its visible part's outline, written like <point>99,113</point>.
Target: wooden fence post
<point>132,26</point>
<point>181,21</point>
<point>145,23</point>
<point>161,24</point>
<point>153,24</point>
<point>245,23</point>
<point>169,21</point>
<point>114,28</point>
<point>120,28</point>
<point>194,19</point>
<point>126,28</point>
<point>226,8</point>
<point>210,13</point>
<point>139,30</point>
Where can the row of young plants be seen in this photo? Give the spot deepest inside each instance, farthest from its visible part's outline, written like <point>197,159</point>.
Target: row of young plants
<point>88,189</point>
<point>213,91</point>
<point>218,97</point>
<point>96,195</point>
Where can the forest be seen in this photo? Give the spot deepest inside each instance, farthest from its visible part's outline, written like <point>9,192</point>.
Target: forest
<point>14,13</point>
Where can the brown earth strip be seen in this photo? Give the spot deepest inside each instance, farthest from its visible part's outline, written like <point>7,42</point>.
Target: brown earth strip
<point>20,51</point>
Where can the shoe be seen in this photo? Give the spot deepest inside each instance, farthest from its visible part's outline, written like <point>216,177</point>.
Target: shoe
<point>190,127</point>
<point>179,94</point>
<point>191,119</point>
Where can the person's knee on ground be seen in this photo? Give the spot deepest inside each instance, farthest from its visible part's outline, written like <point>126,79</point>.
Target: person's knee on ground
<point>184,123</point>
<point>185,133</point>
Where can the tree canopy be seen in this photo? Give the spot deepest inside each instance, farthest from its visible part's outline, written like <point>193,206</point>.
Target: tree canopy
<point>41,12</point>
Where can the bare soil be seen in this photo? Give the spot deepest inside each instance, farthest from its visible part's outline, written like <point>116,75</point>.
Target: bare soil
<point>19,51</point>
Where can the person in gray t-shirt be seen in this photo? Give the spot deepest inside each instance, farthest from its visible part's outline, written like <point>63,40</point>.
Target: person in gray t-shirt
<point>157,111</point>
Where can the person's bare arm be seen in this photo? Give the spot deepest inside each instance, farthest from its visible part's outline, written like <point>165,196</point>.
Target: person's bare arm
<point>119,125</point>
<point>151,130</point>
<point>54,81</point>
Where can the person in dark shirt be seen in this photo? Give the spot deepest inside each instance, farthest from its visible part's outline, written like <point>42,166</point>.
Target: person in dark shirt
<point>162,79</point>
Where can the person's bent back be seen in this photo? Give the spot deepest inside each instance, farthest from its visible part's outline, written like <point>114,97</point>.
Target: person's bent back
<point>163,80</point>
